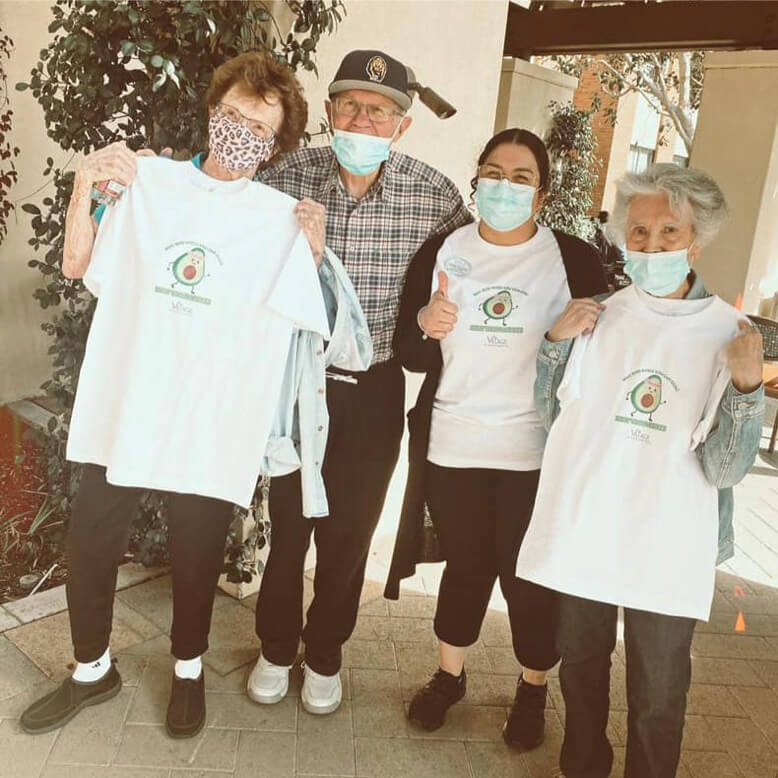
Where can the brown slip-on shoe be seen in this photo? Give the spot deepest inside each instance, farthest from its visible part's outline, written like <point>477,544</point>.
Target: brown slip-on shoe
<point>58,707</point>
<point>186,711</point>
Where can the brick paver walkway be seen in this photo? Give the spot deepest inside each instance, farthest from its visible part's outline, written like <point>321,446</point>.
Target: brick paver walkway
<point>731,728</point>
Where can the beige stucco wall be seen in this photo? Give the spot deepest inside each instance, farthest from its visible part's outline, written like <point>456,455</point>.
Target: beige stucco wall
<point>453,46</point>
<point>526,90</point>
<point>24,364</point>
<point>737,143</point>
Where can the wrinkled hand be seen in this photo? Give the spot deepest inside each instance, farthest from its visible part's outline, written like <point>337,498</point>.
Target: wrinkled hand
<point>439,316</point>
<point>312,220</point>
<point>115,162</point>
<point>744,357</point>
<point>579,318</point>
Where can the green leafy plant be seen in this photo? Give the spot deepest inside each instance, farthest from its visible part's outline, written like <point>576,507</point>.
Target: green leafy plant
<point>8,152</point>
<point>572,146</point>
<point>248,538</point>
<point>27,543</point>
<point>134,71</point>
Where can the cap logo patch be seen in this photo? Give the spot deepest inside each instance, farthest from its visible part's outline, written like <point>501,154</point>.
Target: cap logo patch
<point>376,69</point>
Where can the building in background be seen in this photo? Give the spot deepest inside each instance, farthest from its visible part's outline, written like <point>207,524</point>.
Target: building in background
<point>637,139</point>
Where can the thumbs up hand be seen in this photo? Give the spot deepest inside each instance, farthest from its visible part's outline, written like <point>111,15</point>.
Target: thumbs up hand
<point>439,316</point>
<point>443,283</point>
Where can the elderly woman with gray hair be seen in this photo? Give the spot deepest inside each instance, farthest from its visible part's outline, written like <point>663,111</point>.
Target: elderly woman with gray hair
<point>656,400</point>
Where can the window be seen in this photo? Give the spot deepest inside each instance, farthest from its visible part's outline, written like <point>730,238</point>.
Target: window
<point>680,160</point>
<point>640,157</point>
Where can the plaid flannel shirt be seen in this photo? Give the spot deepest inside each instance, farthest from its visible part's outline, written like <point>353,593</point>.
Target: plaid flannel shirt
<point>377,236</point>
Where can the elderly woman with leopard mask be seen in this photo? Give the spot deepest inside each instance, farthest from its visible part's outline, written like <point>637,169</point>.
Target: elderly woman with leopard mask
<point>218,309</point>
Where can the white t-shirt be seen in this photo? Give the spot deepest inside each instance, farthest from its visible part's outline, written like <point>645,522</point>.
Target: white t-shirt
<point>624,514</point>
<point>200,284</point>
<point>508,296</point>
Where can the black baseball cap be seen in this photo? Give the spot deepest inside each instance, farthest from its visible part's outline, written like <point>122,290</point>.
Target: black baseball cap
<point>376,72</point>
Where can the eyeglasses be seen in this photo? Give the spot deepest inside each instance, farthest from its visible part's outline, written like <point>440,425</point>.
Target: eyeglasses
<point>257,127</point>
<point>378,114</point>
<point>495,173</point>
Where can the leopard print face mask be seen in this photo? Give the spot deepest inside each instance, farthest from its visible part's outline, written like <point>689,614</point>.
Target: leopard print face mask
<point>234,146</point>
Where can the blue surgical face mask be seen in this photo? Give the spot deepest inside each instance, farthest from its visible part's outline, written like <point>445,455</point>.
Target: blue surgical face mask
<point>660,273</point>
<point>502,204</point>
<point>358,153</point>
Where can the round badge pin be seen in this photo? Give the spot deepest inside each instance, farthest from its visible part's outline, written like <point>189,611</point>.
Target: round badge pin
<point>457,266</point>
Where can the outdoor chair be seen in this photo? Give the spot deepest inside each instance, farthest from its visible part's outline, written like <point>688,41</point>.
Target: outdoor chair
<point>769,331</point>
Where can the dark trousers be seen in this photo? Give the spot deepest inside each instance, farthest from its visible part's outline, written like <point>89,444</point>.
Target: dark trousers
<point>658,678</point>
<point>366,426</point>
<point>480,517</point>
<point>97,540</point>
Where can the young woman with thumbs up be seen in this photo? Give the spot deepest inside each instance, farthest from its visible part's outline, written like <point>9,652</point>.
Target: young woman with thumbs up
<point>476,441</point>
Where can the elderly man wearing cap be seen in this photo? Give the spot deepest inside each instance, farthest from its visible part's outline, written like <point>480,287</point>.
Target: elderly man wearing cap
<point>381,206</point>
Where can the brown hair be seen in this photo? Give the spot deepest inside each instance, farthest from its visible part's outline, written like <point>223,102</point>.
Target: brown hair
<point>518,137</point>
<point>258,73</point>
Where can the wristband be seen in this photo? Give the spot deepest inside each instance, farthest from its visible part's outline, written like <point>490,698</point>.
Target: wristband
<point>421,326</point>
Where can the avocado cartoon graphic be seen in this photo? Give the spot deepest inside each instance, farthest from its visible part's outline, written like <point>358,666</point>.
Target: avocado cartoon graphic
<point>498,306</point>
<point>646,397</point>
<point>189,268</point>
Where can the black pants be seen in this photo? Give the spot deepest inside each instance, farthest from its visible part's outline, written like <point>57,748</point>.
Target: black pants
<point>480,518</point>
<point>366,426</point>
<point>97,540</point>
<point>658,678</point>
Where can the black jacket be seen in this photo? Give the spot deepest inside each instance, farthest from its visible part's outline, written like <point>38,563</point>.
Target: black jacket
<point>416,541</point>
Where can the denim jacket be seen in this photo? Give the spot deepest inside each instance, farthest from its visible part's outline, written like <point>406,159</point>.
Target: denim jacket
<point>726,455</point>
<point>299,434</point>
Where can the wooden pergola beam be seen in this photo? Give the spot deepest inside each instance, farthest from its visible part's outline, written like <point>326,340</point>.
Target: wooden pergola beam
<point>636,26</point>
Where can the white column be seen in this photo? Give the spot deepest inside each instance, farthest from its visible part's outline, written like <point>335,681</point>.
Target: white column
<point>737,143</point>
<point>526,90</point>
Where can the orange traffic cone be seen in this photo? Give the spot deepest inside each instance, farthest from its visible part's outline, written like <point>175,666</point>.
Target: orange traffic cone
<point>740,622</point>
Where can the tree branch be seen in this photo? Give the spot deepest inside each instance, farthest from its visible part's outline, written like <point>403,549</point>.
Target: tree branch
<point>636,86</point>
<point>656,91</point>
<point>684,77</point>
<point>679,110</point>
<point>626,90</point>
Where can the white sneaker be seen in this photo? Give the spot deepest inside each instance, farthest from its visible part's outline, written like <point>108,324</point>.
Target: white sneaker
<point>321,693</point>
<point>268,683</point>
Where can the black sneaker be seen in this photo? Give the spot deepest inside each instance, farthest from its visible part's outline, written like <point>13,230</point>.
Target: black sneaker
<point>429,705</point>
<point>524,727</point>
<point>186,711</point>
<point>58,707</point>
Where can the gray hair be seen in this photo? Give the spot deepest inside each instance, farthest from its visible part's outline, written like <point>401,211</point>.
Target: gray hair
<point>682,186</point>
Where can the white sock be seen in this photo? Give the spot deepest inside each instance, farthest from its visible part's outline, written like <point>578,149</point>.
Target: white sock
<point>89,672</point>
<point>189,668</point>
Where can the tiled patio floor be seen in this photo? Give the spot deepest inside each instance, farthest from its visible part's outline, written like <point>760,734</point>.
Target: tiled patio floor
<point>731,729</point>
